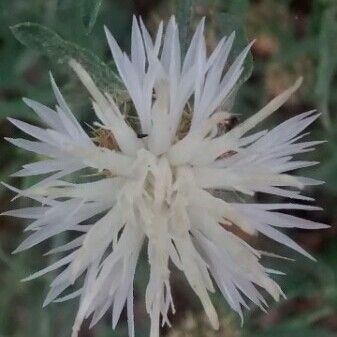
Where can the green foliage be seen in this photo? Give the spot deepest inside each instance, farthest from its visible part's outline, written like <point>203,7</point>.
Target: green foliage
<point>61,52</point>
<point>327,61</point>
<point>228,23</point>
<point>293,330</point>
<point>184,12</point>
<point>22,302</point>
<point>238,8</point>
<point>90,11</point>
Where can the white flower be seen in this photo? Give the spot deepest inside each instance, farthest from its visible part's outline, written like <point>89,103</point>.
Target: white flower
<point>161,189</point>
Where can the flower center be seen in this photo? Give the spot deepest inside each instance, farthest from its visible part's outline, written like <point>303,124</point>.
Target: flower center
<point>152,194</point>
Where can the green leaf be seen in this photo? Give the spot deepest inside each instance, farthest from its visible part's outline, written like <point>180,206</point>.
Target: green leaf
<point>292,331</point>
<point>90,11</point>
<point>327,61</point>
<point>238,8</point>
<point>60,52</point>
<point>183,15</point>
<point>226,24</point>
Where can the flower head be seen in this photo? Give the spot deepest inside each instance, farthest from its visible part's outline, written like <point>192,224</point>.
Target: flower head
<point>175,186</point>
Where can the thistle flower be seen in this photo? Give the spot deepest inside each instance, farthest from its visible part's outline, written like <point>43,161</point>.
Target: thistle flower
<point>159,186</point>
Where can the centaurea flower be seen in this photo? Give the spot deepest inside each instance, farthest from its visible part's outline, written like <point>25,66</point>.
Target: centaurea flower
<point>159,186</point>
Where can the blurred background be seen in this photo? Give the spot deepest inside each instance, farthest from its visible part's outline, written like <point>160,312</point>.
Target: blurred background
<point>293,38</point>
